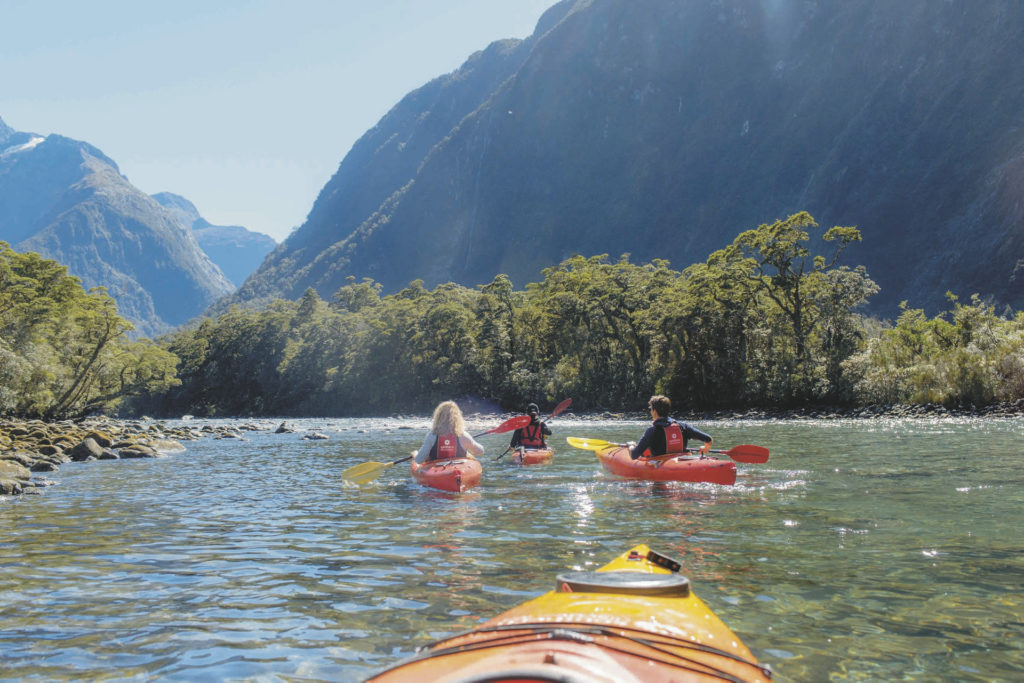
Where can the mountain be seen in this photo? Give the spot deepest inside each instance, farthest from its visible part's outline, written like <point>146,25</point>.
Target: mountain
<point>663,128</point>
<point>237,251</point>
<point>68,201</point>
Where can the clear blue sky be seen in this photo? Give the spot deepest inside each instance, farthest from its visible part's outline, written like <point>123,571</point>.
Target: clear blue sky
<point>245,108</point>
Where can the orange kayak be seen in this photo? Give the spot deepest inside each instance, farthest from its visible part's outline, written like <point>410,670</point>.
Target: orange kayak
<point>635,619</point>
<point>668,468</point>
<point>533,456</point>
<point>455,475</point>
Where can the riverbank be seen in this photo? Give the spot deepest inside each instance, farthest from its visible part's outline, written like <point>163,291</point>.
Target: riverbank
<point>895,411</point>
<point>29,449</point>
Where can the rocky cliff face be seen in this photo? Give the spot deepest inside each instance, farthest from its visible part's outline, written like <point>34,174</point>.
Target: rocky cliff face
<point>68,201</point>
<point>237,251</point>
<point>665,127</point>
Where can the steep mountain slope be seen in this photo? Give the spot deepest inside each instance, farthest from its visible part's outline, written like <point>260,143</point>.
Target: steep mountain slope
<point>665,127</point>
<point>68,201</point>
<point>237,251</point>
<point>379,166</point>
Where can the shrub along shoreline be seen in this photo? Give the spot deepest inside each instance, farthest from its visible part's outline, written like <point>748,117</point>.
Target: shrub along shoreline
<point>770,320</point>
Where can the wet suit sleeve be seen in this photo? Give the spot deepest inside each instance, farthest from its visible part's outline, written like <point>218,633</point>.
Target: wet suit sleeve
<point>517,437</point>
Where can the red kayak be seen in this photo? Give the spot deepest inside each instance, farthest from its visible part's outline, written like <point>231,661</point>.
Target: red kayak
<point>533,456</point>
<point>456,475</point>
<point>668,467</point>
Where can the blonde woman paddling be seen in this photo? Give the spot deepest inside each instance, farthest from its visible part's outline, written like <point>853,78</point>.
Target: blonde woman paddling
<point>447,438</point>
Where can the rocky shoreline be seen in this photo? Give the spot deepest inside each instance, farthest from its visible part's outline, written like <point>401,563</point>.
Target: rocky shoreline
<point>31,448</point>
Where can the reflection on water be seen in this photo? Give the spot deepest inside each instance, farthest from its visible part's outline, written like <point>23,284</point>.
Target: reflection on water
<point>864,550</point>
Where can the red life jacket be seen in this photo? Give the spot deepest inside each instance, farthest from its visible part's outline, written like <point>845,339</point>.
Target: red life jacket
<point>673,438</point>
<point>446,447</point>
<point>531,436</point>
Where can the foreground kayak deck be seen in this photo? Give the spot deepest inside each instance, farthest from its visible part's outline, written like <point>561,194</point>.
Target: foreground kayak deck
<point>456,475</point>
<point>532,456</point>
<point>693,468</point>
<point>635,619</point>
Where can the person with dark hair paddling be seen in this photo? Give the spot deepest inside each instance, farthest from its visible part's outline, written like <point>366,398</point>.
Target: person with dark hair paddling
<point>532,435</point>
<point>666,435</point>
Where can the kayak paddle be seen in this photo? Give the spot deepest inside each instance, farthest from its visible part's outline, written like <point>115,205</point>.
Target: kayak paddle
<point>592,444</point>
<point>744,453</point>
<point>366,472</point>
<point>503,454</point>
<point>559,409</point>
<point>507,426</point>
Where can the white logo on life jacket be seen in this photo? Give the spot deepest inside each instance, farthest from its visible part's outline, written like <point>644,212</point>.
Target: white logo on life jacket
<point>447,446</point>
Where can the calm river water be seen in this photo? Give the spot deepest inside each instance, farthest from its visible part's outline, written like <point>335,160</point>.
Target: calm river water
<point>863,550</point>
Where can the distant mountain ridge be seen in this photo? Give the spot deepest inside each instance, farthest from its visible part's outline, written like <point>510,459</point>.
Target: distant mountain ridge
<point>663,128</point>
<point>236,250</point>
<point>68,201</point>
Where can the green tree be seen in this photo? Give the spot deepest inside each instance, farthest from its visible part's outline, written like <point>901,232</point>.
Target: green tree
<point>64,352</point>
<point>777,262</point>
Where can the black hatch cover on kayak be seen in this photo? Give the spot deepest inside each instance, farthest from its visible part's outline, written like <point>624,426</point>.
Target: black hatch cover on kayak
<point>628,583</point>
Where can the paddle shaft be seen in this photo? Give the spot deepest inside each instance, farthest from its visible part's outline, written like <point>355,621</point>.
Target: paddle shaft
<point>366,472</point>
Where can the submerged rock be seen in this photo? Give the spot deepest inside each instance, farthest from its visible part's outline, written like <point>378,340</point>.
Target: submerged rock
<point>316,436</point>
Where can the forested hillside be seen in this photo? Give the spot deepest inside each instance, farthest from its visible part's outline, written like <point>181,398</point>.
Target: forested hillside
<point>770,320</point>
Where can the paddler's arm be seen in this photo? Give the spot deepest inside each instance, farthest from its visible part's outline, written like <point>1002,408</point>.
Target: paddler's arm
<point>691,432</point>
<point>423,453</point>
<point>643,444</point>
<point>471,445</point>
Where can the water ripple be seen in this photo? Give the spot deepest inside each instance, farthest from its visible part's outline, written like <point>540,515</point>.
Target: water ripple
<point>864,549</point>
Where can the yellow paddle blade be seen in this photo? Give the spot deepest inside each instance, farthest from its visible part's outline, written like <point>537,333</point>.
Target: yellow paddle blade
<point>364,473</point>
<point>590,444</point>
